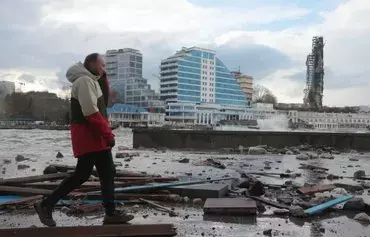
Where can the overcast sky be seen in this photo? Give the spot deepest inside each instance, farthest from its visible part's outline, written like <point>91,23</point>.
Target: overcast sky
<point>268,39</point>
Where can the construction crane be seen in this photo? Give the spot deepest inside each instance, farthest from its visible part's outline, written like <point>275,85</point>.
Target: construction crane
<point>313,93</point>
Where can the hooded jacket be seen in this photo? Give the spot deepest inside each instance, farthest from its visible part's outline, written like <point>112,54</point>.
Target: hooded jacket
<point>90,130</point>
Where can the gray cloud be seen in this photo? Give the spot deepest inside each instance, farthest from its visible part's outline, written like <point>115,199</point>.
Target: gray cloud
<point>27,78</point>
<point>25,43</point>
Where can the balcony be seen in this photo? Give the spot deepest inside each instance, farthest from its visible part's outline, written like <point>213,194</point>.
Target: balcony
<point>175,76</point>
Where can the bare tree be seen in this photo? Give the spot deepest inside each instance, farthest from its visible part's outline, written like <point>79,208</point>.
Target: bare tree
<point>262,94</point>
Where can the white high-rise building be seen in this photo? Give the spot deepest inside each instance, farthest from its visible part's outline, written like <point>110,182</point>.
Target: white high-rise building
<point>6,88</point>
<point>124,69</point>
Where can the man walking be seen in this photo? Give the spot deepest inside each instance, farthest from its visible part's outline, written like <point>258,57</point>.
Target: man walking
<point>92,141</point>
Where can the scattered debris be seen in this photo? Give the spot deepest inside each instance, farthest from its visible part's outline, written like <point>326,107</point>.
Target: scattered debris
<point>362,217</point>
<point>211,162</point>
<point>20,158</point>
<point>197,201</point>
<point>184,160</point>
<point>297,211</point>
<point>267,232</point>
<point>255,187</point>
<point>7,161</point>
<point>50,170</point>
<point>359,174</point>
<point>285,199</point>
<point>302,157</point>
<point>349,187</point>
<point>332,177</point>
<point>22,167</point>
<point>315,189</point>
<point>326,205</point>
<point>353,159</point>
<point>281,212</point>
<point>93,231</point>
<point>355,204</point>
<point>268,202</point>
<point>327,156</point>
<point>257,150</point>
<point>162,208</point>
<point>366,184</point>
<point>312,167</point>
<point>230,206</point>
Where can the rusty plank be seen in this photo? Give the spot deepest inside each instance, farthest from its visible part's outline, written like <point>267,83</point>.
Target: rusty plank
<point>315,189</point>
<point>22,191</point>
<point>91,231</point>
<point>33,179</point>
<point>26,200</point>
<point>230,206</point>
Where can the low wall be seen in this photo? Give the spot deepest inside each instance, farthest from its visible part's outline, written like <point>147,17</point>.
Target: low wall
<point>204,140</point>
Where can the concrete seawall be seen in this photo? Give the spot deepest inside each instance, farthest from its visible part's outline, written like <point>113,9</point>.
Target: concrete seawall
<point>213,140</point>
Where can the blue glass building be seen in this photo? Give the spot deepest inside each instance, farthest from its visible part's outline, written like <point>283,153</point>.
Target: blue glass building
<point>196,75</point>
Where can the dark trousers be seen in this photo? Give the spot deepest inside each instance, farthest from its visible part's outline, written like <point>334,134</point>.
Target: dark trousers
<point>103,161</point>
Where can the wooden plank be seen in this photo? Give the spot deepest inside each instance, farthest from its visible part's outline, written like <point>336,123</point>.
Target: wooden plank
<point>21,191</point>
<point>154,179</point>
<point>313,167</point>
<point>33,179</point>
<point>53,185</point>
<point>133,196</point>
<point>268,202</point>
<point>315,189</point>
<point>91,231</point>
<point>168,210</point>
<point>230,206</point>
<point>119,173</point>
<point>162,185</point>
<point>326,205</point>
<point>22,201</point>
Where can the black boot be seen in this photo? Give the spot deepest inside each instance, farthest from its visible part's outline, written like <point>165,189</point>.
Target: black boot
<point>117,217</point>
<point>45,214</point>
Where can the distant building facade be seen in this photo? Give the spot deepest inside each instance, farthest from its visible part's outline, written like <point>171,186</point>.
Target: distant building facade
<point>212,114</point>
<point>6,88</point>
<point>196,75</point>
<point>329,121</point>
<point>124,69</point>
<point>246,83</point>
<point>134,116</point>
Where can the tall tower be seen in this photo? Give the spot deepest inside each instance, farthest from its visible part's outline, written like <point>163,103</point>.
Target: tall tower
<point>315,74</point>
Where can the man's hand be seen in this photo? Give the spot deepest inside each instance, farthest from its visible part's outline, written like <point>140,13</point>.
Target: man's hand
<point>112,143</point>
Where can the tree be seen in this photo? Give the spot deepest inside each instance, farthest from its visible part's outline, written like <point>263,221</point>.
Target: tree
<point>262,94</point>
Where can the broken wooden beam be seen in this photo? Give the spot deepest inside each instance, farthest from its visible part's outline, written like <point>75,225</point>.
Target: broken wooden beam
<point>33,179</point>
<point>168,210</point>
<point>230,206</point>
<point>93,231</point>
<point>315,189</point>
<point>154,179</point>
<point>119,173</point>
<point>22,191</point>
<point>23,201</point>
<point>268,202</point>
<point>53,185</point>
<point>154,186</point>
<point>313,167</point>
<point>133,196</point>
